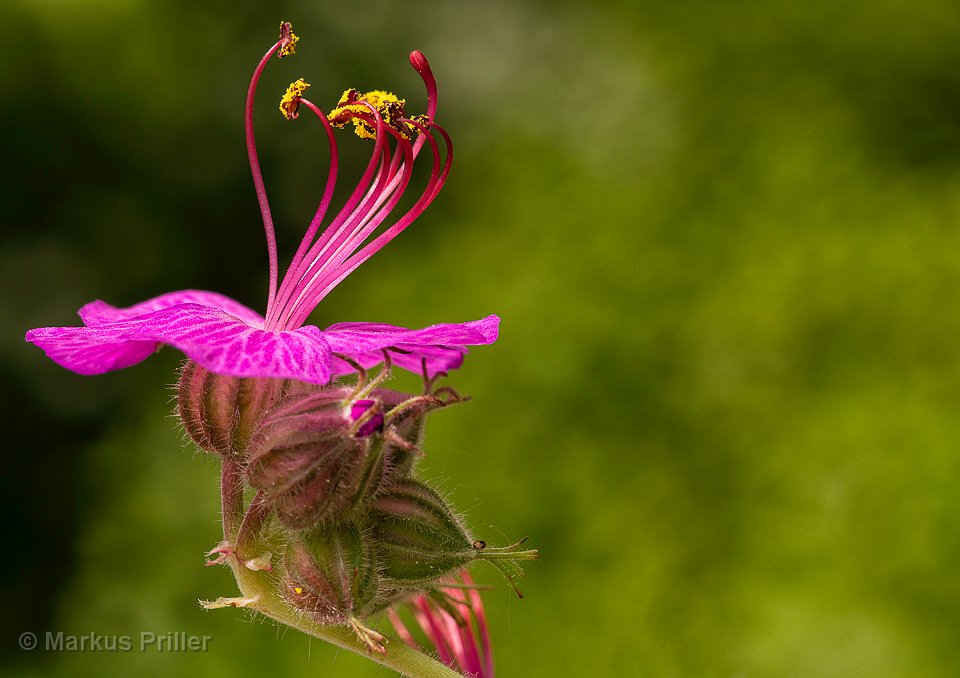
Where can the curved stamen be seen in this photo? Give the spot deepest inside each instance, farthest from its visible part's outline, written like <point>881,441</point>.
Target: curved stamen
<point>319,266</point>
<point>422,67</point>
<point>316,256</point>
<point>315,288</point>
<point>324,205</point>
<point>342,232</point>
<point>297,313</point>
<point>437,179</point>
<point>321,287</point>
<point>448,142</point>
<point>293,280</point>
<point>336,232</point>
<point>283,44</point>
<point>369,215</point>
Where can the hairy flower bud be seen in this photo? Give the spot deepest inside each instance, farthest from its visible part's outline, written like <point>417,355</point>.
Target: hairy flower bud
<point>330,573</point>
<point>319,456</point>
<point>421,539</point>
<point>220,413</point>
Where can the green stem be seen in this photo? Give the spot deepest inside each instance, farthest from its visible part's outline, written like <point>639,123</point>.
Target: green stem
<point>399,657</point>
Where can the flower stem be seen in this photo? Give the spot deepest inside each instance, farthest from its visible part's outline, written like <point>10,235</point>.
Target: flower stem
<point>231,495</point>
<point>399,657</point>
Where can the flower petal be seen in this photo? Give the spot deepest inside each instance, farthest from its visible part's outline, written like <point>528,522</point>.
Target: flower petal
<point>99,312</point>
<point>213,338</point>
<point>442,346</point>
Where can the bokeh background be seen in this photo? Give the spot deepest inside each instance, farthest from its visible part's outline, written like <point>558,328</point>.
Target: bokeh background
<point>723,238</point>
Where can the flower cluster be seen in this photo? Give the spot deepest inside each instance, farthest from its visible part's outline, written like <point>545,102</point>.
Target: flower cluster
<point>339,527</point>
<point>335,493</point>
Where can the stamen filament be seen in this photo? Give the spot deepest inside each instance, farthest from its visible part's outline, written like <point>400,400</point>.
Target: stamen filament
<point>318,287</point>
<point>357,218</point>
<point>258,175</point>
<point>365,220</point>
<point>296,276</point>
<point>437,178</point>
<point>317,217</point>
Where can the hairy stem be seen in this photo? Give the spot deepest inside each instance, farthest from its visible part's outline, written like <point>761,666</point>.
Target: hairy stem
<point>231,496</point>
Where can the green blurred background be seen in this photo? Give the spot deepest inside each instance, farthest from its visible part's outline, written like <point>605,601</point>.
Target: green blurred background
<point>723,238</point>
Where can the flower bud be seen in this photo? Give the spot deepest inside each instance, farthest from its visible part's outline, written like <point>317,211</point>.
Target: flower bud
<point>220,412</point>
<point>421,539</point>
<point>418,535</point>
<point>330,573</point>
<point>319,456</point>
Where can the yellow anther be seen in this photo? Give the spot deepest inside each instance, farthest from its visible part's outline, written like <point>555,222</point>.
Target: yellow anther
<point>288,38</point>
<point>298,590</point>
<point>389,106</point>
<point>290,102</point>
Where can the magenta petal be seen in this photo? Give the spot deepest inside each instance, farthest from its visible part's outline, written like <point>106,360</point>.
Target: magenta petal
<point>439,359</point>
<point>211,337</point>
<point>442,346</point>
<point>99,312</point>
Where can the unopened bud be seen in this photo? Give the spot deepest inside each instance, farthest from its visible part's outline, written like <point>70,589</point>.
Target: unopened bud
<point>421,539</point>
<point>330,573</point>
<point>319,456</point>
<point>220,412</point>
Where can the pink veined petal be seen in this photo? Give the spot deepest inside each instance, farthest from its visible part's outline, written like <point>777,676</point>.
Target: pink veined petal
<point>77,350</point>
<point>439,359</point>
<point>442,346</point>
<point>99,312</point>
<point>211,337</point>
<point>363,337</point>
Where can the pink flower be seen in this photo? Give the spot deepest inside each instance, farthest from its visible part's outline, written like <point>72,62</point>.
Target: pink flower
<point>461,643</point>
<point>228,338</point>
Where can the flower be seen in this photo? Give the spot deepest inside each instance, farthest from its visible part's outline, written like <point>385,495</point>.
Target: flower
<point>454,622</point>
<point>229,338</point>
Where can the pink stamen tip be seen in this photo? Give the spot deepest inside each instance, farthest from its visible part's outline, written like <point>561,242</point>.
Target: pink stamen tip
<point>420,63</point>
<point>422,67</point>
